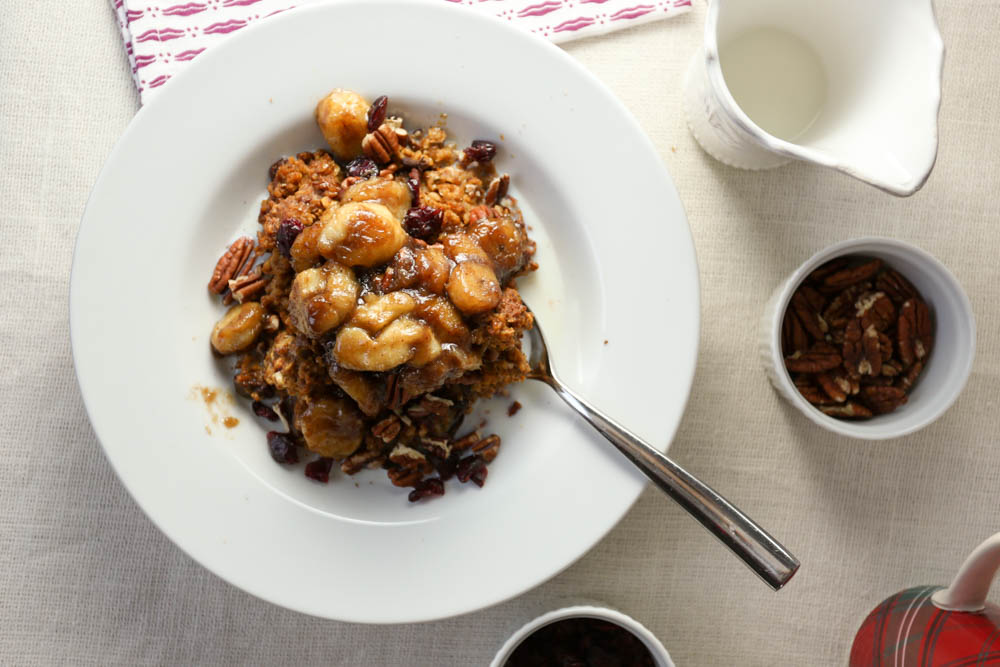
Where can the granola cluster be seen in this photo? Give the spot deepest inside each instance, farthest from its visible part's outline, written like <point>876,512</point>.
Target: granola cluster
<point>378,303</point>
<point>855,337</point>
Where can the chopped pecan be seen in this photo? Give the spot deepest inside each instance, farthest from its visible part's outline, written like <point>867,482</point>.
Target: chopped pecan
<point>874,309</point>
<point>388,428</point>
<point>883,399</point>
<point>852,274</point>
<point>814,394</point>
<point>896,286</point>
<point>436,447</point>
<point>914,332</point>
<point>862,352</point>
<point>488,447</point>
<point>497,190</point>
<point>809,315</point>
<point>246,286</point>
<point>466,441</point>
<point>230,264</point>
<point>849,410</point>
<point>817,359</point>
<point>358,461</point>
<point>381,145</point>
<point>405,476</point>
<point>412,466</point>
<point>841,308</point>
<point>429,405</point>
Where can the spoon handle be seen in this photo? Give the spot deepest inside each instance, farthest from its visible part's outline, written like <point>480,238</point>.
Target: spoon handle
<point>761,552</point>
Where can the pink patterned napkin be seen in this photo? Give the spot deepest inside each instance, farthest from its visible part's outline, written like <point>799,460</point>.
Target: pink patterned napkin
<point>161,36</point>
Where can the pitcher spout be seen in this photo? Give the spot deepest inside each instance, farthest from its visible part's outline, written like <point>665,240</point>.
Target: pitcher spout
<point>852,85</point>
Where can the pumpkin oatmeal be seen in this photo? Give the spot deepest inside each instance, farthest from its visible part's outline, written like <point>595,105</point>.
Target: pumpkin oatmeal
<point>378,301</point>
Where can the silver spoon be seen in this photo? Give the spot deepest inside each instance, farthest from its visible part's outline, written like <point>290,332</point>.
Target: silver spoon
<point>761,552</point>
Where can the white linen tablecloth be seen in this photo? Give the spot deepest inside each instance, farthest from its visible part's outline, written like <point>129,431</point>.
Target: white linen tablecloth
<point>85,578</point>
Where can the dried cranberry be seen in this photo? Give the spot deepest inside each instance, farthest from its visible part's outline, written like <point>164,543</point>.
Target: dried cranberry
<point>376,112</point>
<point>264,411</point>
<point>319,470</point>
<point>427,488</point>
<point>273,169</point>
<point>362,167</point>
<point>249,386</point>
<point>445,467</point>
<point>285,408</point>
<point>478,476</point>
<point>282,447</point>
<point>423,222</point>
<point>288,231</point>
<point>470,466</point>
<point>413,180</point>
<point>481,151</point>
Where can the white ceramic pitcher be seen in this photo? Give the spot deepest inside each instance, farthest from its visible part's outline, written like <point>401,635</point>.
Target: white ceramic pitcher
<point>850,84</point>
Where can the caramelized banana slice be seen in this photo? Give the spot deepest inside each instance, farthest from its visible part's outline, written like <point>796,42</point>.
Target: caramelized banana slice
<point>341,118</point>
<point>360,234</point>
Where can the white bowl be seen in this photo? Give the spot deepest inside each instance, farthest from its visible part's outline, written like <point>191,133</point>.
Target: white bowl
<point>656,648</point>
<point>947,368</point>
<point>140,314</point>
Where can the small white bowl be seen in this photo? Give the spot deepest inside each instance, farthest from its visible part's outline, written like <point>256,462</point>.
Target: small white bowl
<point>660,656</point>
<point>948,366</point>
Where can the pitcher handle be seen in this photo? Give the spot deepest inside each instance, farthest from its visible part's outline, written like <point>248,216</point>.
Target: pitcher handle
<point>969,588</point>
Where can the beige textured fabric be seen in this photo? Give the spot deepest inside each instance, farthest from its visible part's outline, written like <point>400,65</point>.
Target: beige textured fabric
<point>85,578</point>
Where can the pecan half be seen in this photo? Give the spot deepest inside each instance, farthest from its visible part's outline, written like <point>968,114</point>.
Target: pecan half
<point>793,336</point>
<point>852,274</point>
<point>849,410</point>
<point>817,359</point>
<point>890,369</point>
<point>883,399</point>
<point>842,308</point>
<point>497,190</point>
<point>382,144</point>
<point>915,332</point>
<point>230,264</point>
<point>862,352</point>
<point>874,309</point>
<point>895,286</point>
<point>831,267</point>
<point>837,385</point>
<point>808,314</point>
<point>906,381</point>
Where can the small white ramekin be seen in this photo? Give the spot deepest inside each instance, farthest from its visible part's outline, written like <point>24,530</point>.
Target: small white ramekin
<point>948,366</point>
<point>656,649</point>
